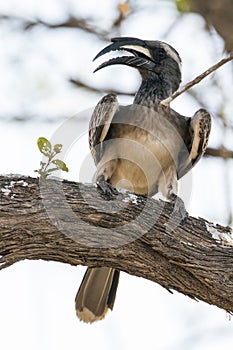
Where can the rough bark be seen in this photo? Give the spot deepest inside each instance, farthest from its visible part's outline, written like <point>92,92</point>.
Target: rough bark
<point>72,223</point>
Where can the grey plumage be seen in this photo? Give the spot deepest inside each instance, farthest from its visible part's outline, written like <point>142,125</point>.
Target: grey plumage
<point>144,147</point>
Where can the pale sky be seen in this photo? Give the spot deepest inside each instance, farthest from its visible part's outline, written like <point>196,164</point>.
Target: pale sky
<point>37,298</point>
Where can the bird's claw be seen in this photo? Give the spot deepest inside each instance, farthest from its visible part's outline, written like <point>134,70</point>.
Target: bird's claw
<point>179,208</point>
<point>107,189</point>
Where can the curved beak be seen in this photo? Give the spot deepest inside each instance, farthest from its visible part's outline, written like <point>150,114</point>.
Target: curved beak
<point>141,55</point>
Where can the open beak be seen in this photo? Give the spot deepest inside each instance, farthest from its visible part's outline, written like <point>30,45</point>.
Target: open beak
<point>141,55</point>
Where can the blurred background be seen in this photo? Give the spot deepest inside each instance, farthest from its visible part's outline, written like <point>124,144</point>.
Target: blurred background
<point>46,77</point>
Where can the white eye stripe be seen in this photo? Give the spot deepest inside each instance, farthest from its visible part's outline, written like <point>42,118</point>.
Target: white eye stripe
<point>171,53</point>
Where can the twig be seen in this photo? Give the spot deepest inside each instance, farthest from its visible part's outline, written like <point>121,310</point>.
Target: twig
<point>124,9</point>
<point>71,22</point>
<point>221,152</point>
<point>197,80</point>
<point>91,88</point>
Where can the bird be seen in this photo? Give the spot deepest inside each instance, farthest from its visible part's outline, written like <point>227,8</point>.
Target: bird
<point>144,147</point>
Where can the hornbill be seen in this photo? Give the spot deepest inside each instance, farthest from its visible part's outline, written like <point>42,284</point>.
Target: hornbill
<point>144,147</point>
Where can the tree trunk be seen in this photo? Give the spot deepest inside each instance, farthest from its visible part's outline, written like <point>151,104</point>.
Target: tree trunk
<point>219,14</point>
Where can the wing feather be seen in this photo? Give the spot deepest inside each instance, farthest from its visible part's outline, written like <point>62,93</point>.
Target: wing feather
<point>198,136</point>
<point>100,123</point>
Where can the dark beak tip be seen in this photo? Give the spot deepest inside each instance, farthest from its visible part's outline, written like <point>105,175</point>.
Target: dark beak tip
<point>97,56</point>
<point>118,44</point>
<point>111,47</point>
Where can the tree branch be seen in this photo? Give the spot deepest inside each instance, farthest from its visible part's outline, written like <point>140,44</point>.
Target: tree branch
<point>71,223</point>
<point>218,14</point>
<point>80,84</point>
<point>70,22</point>
<point>197,80</point>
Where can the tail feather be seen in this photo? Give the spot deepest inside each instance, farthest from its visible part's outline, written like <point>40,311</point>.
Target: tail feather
<point>96,293</point>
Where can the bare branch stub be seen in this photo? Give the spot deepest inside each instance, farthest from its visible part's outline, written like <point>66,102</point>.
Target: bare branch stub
<point>195,259</point>
<point>221,152</point>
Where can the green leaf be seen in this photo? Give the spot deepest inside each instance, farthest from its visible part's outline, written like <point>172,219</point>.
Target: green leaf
<point>183,6</point>
<point>57,148</point>
<point>60,164</point>
<point>44,146</point>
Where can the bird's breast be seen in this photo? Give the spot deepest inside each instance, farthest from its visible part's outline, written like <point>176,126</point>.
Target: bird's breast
<point>143,154</point>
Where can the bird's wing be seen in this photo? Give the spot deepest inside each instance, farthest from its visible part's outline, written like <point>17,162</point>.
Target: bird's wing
<point>100,123</point>
<point>198,136</point>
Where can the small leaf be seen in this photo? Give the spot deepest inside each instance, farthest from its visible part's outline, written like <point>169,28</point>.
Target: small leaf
<point>57,148</point>
<point>44,146</point>
<point>60,164</point>
<point>183,6</point>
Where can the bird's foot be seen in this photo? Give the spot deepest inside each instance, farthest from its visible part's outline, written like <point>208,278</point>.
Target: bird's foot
<point>179,208</point>
<point>107,189</point>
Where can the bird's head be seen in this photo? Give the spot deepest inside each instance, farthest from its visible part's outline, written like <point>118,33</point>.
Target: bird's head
<point>151,58</point>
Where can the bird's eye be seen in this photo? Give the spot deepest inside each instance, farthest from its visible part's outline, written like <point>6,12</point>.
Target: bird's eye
<point>160,53</point>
